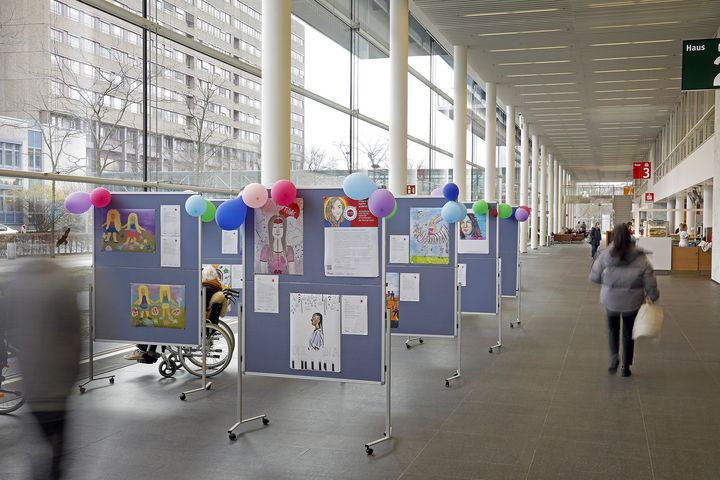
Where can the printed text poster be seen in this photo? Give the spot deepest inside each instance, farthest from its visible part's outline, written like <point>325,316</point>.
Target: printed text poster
<point>351,245</point>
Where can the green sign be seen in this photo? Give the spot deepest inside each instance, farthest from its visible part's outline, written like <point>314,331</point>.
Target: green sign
<point>701,64</point>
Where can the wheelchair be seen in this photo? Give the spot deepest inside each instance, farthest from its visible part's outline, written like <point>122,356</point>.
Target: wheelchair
<point>219,347</point>
<point>10,400</point>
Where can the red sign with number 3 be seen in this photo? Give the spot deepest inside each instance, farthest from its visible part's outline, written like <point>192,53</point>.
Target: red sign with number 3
<point>642,170</point>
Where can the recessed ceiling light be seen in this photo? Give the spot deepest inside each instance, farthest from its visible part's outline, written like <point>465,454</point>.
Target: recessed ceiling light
<point>551,101</point>
<point>554,47</point>
<point>511,12</point>
<point>628,90</point>
<point>621,128</point>
<point>672,88</point>
<point>546,93</point>
<point>639,42</point>
<point>538,74</point>
<point>523,32</point>
<point>652,24</point>
<point>637,57</point>
<point>566,114</point>
<point>629,3</point>
<point>532,63</point>
<point>624,98</point>
<point>559,107</point>
<point>630,70</point>
<point>635,80</point>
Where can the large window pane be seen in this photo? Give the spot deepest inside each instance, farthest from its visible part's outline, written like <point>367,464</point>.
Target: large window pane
<point>372,152</point>
<point>419,168</point>
<point>418,109</point>
<point>373,97</point>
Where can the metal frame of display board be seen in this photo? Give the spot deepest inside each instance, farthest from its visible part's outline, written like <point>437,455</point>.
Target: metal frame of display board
<point>332,286</point>
<point>518,266</point>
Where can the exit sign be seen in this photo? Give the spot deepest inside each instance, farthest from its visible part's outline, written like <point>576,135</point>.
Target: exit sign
<point>641,170</point>
<point>701,64</point>
<point>410,189</point>
<point>649,197</point>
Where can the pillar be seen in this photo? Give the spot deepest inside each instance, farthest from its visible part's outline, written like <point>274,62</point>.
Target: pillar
<point>542,200</point>
<point>551,193</point>
<point>524,154</point>
<point>460,121</point>
<point>275,113</point>
<point>510,142</point>
<point>490,142</point>
<point>679,205</point>
<point>534,215</point>
<point>707,208</point>
<point>715,275</point>
<point>671,214</point>
<point>556,196</point>
<point>690,214</point>
<point>399,18</point>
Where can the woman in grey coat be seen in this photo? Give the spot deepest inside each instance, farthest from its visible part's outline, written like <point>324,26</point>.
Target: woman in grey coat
<point>626,277</point>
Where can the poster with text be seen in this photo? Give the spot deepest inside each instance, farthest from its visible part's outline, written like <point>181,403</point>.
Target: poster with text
<point>128,230</point>
<point>279,238</point>
<point>351,245</point>
<point>157,306</point>
<point>392,298</point>
<point>474,234</point>
<point>315,332</point>
<point>429,237</point>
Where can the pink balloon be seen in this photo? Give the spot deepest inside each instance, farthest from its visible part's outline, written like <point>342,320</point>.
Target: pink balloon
<point>78,202</point>
<point>255,195</point>
<point>100,197</point>
<point>381,203</point>
<point>283,192</point>
<point>438,192</point>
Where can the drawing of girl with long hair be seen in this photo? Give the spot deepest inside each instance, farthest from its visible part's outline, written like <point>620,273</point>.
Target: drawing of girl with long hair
<point>133,230</point>
<point>277,257</point>
<point>335,212</point>
<point>317,337</point>
<point>141,307</point>
<point>470,228</point>
<point>112,226</point>
<point>168,305</point>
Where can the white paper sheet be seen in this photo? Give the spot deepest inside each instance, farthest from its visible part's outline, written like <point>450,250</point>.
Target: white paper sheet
<point>170,220</point>
<point>351,252</point>
<point>229,242</point>
<point>354,314</point>
<point>462,274</point>
<point>267,294</point>
<point>238,275</point>
<point>399,248</point>
<point>409,287</point>
<point>169,251</point>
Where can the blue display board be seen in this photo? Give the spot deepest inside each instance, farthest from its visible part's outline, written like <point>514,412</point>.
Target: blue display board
<point>509,254</point>
<point>120,265</point>
<point>267,336</point>
<point>480,293</point>
<point>434,314</point>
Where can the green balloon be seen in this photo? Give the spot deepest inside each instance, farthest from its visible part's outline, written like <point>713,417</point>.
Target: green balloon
<point>394,211</point>
<point>480,207</point>
<point>209,214</point>
<point>504,210</point>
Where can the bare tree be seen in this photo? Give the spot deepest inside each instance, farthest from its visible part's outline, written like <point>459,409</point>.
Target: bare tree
<point>44,213</point>
<point>346,154</point>
<point>316,159</point>
<point>376,152</point>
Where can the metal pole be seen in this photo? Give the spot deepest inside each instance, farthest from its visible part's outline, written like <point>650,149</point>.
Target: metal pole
<point>519,296</point>
<point>203,344</point>
<point>458,325</point>
<point>91,346</point>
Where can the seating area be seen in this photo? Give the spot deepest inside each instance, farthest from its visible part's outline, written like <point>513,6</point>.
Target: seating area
<point>568,237</point>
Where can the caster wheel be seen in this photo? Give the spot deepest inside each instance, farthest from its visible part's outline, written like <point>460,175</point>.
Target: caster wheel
<point>407,345</point>
<point>208,387</point>
<point>112,380</point>
<point>422,341</point>
<point>512,326</point>
<point>232,437</point>
<point>447,384</point>
<point>182,396</point>
<point>266,421</point>
<point>368,450</point>
<point>166,369</point>
<point>82,390</point>
<point>490,350</point>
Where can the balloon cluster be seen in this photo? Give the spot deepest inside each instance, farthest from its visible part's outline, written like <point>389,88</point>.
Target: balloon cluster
<point>231,214</point>
<point>80,202</point>
<point>381,202</point>
<point>453,211</point>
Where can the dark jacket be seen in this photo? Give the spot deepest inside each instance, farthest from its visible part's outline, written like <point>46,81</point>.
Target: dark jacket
<point>595,236</point>
<point>625,282</point>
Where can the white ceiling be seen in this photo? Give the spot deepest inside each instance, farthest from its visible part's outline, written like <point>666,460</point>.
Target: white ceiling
<point>595,79</point>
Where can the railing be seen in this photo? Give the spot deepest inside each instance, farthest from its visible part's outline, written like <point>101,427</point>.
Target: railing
<point>38,244</point>
<point>696,136</point>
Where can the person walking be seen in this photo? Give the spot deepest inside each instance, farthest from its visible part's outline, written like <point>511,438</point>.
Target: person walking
<point>626,277</point>
<point>595,237</point>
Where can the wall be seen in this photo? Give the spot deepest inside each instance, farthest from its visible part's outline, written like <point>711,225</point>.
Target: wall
<point>693,170</point>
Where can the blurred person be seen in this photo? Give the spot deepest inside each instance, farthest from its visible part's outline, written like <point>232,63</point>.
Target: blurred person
<point>626,277</point>
<point>45,329</point>
<point>583,228</point>
<point>595,237</point>
<point>684,235</point>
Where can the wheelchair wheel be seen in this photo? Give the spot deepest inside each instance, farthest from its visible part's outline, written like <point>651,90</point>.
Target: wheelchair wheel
<point>219,353</point>
<point>10,400</point>
<point>227,328</point>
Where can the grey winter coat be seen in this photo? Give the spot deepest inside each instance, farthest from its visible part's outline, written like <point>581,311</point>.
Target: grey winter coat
<point>624,282</point>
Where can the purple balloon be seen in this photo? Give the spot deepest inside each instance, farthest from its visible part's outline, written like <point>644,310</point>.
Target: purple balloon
<point>438,192</point>
<point>381,202</point>
<point>78,202</point>
<point>521,215</point>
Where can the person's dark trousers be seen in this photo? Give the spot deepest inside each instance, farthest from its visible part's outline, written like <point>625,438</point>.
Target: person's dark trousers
<point>628,320</point>
<point>594,250</point>
<point>52,425</point>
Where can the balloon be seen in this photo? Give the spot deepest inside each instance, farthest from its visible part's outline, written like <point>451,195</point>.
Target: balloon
<point>526,208</point>
<point>438,192</point>
<point>209,214</point>
<point>283,192</point>
<point>255,195</point>
<point>394,211</point>
<point>78,202</point>
<point>480,207</point>
<point>504,210</point>
<point>100,197</point>
<point>451,192</point>
<point>381,202</point>
<point>453,212</point>
<point>494,212</point>
<point>231,214</point>
<point>195,205</point>
<point>521,215</point>
<point>358,186</point>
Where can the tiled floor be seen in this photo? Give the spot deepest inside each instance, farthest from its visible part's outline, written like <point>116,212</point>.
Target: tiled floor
<point>542,408</point>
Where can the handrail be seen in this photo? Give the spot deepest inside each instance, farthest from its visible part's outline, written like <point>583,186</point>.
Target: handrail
<point>685,138</point>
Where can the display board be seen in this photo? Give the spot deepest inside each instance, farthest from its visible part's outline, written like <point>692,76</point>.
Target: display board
<point>435,312</point>
<point>509,242</point>
<point>224,250</point>
<point>480,292</point>
<point>138,300</point>
<point>268,336</point>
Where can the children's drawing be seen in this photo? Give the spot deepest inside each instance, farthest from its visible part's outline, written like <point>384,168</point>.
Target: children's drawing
<point>474,234</point>
<point>279,238</point>
<point>159,306</point>
<point>392,298</point>
<point>429,237</point>
<point>129,230</point>
<point>315,332</point>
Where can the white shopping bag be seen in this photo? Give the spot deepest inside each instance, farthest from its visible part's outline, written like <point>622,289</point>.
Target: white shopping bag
<point>648,322</point>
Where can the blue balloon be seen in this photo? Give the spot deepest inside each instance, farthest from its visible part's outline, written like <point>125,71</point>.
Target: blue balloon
<point>461,212</point>
<point>231,214</point>
<point>453,212</point>
<point>451,192</point>
<point>358,186</point>
<point>195,205</point>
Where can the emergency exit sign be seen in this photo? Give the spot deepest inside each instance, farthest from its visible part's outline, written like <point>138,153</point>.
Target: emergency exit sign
<point>701,64</point>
